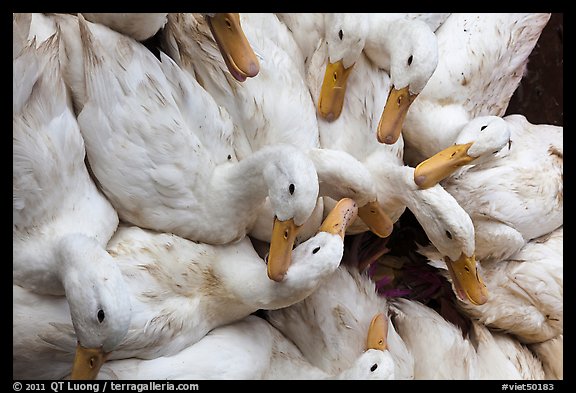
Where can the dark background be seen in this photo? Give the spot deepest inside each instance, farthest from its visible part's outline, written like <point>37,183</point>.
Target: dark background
<point>539,96</point>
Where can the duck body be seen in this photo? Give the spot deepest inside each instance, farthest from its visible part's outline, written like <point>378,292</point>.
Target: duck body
<point>182,145</point>
<point>482,58</point>
<point>478,354</point>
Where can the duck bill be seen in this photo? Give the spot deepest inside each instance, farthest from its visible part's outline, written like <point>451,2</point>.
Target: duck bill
<point>378,333</point>
<point>394,114</point>
<point>468,283</point>
<point>234,46</point>
<point>340,217</point>
<point>376,219</point>
<point>283,238</point>
<point>441,165</point>
<point>333,90</point>
<point>87,363</point>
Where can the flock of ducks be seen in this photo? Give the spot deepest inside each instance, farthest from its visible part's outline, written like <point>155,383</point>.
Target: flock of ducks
<point>185,186</point>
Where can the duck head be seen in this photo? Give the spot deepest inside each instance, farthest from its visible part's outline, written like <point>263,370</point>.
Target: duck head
<point>479,141</point>
<point>345,38</point>
<point>413,57</point>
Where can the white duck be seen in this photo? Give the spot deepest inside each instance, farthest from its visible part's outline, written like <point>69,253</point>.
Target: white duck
<point>453,355</point>
<point>329,325</point>
<point>265,106</point>
<point>248,349</point>
<point>518,192</point>
<point>526,290</point>
<point>61,222</point>
<point>180,290</point>
<point>162,151</point>
<point>482,58</point>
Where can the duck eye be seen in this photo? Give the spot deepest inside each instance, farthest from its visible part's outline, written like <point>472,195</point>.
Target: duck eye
<point>101,315</point>
<point>449,234</point>
<point>340,34</point>
<point>291,189</point>
<point>314,251</point>
<point>229,157</point>
<point>410,59</point>
<point>374,367</point>
<point>482,128</point>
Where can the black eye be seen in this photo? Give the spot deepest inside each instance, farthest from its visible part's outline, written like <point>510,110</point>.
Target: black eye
<point>482,128</point>
<point>340,34</point>
<point>314,251</point>
<point>410,60</point>
<point>449,235</point>
<point>101,315</point>
<point>374,367</point>
<point>291,189</point>
<point>229,157</point>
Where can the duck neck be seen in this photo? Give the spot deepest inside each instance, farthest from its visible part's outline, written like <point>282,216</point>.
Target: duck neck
<point>83,261</point>
<point>379,43</point>
<point>243,182</point>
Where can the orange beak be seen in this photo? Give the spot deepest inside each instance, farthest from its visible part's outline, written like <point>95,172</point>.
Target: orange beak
<point>333,90</point>
<point>341,216</point>
<point>441,165</point>
<point>234,46</point>
<point>87,363</point>
<point>376,219</point>
<point>280,255</point>
<point>394,114</point>
<point>468,283</point>
<point>378,333</point>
